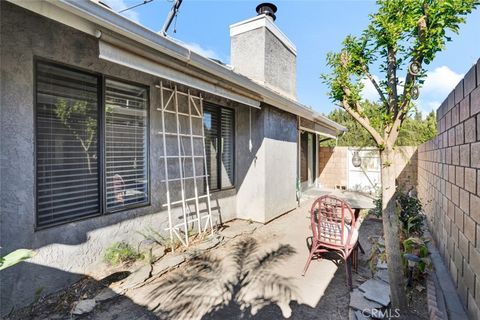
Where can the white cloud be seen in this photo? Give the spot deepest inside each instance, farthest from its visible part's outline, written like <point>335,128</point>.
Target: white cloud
<point>440,82</point>
<point>118,5</point>
<point>209,53</point>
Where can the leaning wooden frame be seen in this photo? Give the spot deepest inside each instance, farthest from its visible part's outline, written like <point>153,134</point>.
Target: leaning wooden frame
<point>169,98</point>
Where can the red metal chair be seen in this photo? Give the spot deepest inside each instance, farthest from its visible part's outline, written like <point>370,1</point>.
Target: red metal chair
<point>334,228</point>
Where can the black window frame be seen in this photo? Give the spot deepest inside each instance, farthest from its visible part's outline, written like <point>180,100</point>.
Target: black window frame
<point>101,133</point>
<point>211,106</point>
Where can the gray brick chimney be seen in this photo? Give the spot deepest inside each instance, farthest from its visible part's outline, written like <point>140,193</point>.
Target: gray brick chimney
<point>262,52</point>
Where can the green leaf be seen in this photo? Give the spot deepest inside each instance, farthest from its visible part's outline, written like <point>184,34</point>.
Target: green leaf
<point>15,257</point>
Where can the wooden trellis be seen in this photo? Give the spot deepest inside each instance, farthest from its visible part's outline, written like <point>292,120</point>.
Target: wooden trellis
<point>183,150</point>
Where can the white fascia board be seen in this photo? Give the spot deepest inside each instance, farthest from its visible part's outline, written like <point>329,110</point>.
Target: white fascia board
<point>259,22</point>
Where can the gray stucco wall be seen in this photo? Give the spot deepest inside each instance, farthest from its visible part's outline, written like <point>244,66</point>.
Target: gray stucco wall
<point>66,252</point>
<point>280,65</point>
<point>260,55</point>
<point>248,54</point>
<point>269,186</point>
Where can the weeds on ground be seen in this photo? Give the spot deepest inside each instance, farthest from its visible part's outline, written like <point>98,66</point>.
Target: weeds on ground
<point>121,252</point>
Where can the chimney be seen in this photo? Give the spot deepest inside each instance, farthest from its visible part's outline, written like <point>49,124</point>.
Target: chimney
<point>262,52</point>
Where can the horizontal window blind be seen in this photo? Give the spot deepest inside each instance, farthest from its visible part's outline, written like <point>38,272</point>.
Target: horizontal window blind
<point>227,147</point>
<point>211,126</point>
<point>67,159</point>
<point>219,145</point>
<point>125,144</point>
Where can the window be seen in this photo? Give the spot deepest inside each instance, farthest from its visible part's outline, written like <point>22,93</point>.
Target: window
<point>74,178</point>
<point>125,144</point>
<point>67,150</point>
<point>219,125</point>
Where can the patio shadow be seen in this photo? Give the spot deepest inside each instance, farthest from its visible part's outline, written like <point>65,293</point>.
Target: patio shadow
<point>235,286</point>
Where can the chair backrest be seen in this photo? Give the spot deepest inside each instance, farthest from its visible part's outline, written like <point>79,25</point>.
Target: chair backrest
<point>332,221</point>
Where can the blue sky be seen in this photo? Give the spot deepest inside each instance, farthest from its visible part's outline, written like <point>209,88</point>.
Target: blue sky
<point>315,27</point>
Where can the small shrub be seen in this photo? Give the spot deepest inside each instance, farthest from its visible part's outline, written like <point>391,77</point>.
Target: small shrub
<point>121,252</point>
<point>410,214</point>
<point>377,211</point>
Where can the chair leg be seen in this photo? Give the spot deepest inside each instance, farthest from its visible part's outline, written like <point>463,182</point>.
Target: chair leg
<point>348,269</point>
<point>310,256</point>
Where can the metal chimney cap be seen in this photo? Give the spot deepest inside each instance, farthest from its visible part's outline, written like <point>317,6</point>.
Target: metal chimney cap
<point>268,9</point>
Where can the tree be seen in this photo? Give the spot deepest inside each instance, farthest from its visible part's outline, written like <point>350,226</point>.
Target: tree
<point>403,36</point>
<point>414,130</point>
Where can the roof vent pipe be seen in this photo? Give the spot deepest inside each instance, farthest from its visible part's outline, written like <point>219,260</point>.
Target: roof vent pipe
<point>267,9</point>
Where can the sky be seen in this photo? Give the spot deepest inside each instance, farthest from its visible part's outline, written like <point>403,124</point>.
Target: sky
<point>315,27</point>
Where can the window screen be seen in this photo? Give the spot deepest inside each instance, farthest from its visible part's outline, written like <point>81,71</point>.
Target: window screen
<point>219,145</point>
<point>125,144</point>
<point>66,145</point>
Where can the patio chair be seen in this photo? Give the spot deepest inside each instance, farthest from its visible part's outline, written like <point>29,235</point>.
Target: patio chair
<point>334,228</point>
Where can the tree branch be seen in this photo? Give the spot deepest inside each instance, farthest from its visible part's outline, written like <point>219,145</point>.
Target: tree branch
<point>377,87</point>
<point>392,79</point>
<point>363,121</point>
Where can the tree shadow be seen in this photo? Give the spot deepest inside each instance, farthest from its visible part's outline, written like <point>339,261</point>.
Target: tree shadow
<point>236,286</point>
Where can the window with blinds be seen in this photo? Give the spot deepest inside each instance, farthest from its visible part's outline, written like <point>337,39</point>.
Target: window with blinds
<point>219,132</point>
<point>67,160</point>
<point>125,145</point>
<point>74,179</point>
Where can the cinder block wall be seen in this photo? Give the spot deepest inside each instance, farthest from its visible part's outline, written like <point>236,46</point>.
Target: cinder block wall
<point>448,185</point>
<point>333,166</point>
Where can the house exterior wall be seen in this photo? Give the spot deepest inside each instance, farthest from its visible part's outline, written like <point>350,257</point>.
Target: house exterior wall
<point>449,187</point>
<point>333,167</point>
<point>66,252</point>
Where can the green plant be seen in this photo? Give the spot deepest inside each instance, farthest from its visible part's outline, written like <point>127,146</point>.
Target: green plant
<point>120,252</point>
<point>377,211</point>
<point>410,214</point>
<point>415,258</point>
<point>15,257</point>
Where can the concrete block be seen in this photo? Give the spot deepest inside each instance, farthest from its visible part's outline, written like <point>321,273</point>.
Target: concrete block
<point>470,130</point>
<point>470,180</point>
<point>469,228</point>
<point>465,155</point>
<point>459,92</point>
<point>465,108</point>
<point>475,203</point>
<point>456,155</point>
<point>459,176</point>
<point>456,113</point>
<point>451,137</point>
<point>464,200</point>
<point>470,81</point>
<point>459,218</point>
<point>474,260</point>
<point>475,101</point>
<point>451,100</point>
<point>478,126</point>
<point>475,155</point>
<point>451,174</point>
<point>473,310</point>
<point>459,136</point>
<point>453,271</point>
<point>448,119</point>
<point>456,195</point>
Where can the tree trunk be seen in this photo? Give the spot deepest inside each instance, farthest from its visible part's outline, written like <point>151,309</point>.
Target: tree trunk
<point>391,232</point>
